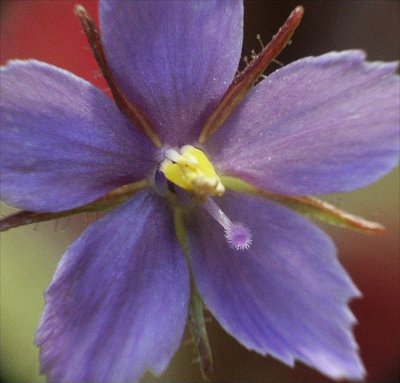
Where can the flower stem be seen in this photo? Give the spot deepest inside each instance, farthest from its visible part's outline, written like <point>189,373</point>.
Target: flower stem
<point>199,334</point>
<point>197,322</point>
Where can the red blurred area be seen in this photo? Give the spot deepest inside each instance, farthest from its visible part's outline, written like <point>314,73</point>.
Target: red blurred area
<point>374,266</point>
<point>48,30</point>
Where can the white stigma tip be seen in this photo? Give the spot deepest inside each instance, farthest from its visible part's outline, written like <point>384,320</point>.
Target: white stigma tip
<point>238,236</point>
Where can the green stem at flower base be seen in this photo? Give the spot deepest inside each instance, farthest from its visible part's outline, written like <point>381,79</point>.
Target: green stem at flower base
<point>197,322</point>
<point>108,201</point>
<point>245,80</point>
<point>199,334</point>
<point>308,206</point>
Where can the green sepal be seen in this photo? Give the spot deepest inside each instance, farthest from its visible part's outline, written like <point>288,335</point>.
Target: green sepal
<point>310,207</point>
<point>246,79</point>
<point>105,203</point>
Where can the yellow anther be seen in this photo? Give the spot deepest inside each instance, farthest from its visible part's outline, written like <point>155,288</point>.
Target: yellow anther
<point>191,170</point>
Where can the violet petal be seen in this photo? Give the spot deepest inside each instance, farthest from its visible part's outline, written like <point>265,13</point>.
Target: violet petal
<point>63,142</point>
<point>286,295</point>
<point>319,125</point>
<point>118,302</point>
<point>173,59</point>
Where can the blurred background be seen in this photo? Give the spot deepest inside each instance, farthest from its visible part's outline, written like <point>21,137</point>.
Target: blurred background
<point>49,31</point>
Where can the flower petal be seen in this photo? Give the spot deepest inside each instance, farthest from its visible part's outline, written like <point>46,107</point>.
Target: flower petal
<point>285,296</point>
<point>173,59</point>
<point>320,125</point>
<point>63,142</point>
<point>117,305</point>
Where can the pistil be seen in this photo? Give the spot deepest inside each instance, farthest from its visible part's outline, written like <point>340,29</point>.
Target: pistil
<point>237,235</point>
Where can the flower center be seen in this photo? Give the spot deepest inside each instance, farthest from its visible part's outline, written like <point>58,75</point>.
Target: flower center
<point>191,170</point>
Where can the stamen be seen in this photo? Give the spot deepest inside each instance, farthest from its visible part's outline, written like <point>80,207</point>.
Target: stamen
<point>237,235</point>
<point>172,155</point>
<point>191,170</point>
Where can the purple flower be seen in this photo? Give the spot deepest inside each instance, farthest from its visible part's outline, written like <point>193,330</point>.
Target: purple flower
<point>119,300</point>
